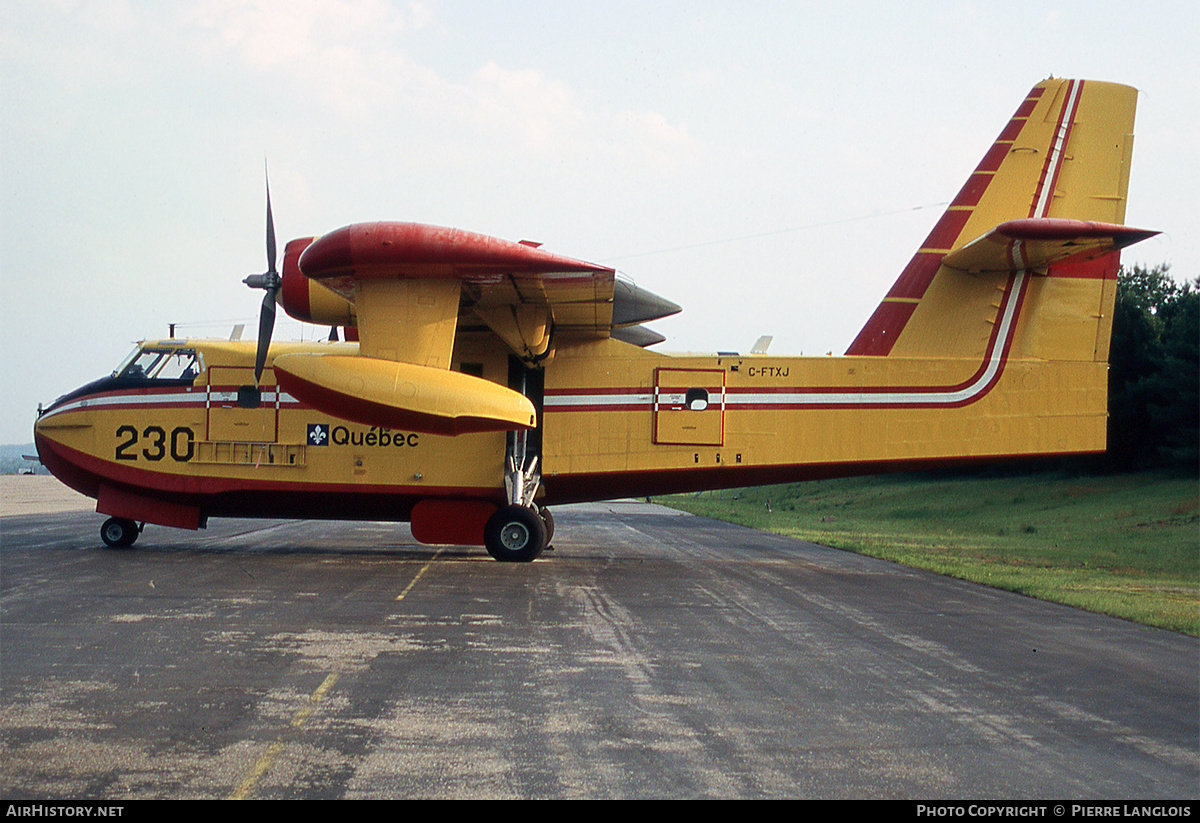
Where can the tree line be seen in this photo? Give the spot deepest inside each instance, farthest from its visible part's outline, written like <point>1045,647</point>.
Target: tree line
<point>1154,372</point>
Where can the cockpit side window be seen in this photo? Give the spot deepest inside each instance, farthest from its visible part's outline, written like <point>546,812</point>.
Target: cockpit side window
<point>162,364</point>
<point>149,366</point>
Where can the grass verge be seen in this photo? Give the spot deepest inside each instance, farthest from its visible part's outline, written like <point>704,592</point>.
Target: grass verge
<point>1124,545</point>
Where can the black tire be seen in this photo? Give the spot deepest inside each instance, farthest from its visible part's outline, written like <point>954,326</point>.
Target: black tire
<point>515,534</point>
<point>548,521</point>
<point>118,533</point>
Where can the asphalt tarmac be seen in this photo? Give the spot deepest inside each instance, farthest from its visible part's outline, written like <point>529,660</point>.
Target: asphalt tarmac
<point>652,654</point>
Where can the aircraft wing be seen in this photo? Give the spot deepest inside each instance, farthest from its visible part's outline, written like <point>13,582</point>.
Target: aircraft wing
<point>519,290</point>
<point>492,271</point>
<point>411,286</point>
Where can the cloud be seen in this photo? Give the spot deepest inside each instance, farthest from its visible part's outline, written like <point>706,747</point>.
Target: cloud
<point>348,64</point>
<point>269,34</point>
<point>545,116</point>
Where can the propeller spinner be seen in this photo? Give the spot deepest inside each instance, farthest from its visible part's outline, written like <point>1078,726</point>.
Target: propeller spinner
<point>270,281</point>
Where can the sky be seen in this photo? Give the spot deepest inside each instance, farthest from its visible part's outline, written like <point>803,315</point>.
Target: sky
<point>770,166</point>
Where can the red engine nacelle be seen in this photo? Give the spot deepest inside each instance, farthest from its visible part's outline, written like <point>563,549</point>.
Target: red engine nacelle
<point>305,299</point>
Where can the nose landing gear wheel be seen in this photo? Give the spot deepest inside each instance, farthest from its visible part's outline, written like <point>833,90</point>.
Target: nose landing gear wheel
<point>515,534</point>
<point>117,532</point>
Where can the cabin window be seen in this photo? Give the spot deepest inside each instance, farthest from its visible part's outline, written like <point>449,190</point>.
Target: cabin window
<point>249,397</point>
<point>696,399</point>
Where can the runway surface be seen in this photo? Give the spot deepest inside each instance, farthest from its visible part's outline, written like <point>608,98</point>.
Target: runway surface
<point>652,654</point>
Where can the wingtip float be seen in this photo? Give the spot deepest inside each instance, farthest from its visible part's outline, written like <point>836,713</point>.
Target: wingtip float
<point>489,379</point>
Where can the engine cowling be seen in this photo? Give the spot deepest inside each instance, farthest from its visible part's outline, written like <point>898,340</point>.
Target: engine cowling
<point>307,300</point>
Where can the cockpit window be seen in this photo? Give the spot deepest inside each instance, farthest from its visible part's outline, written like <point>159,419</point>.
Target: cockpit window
<point>160,364</point>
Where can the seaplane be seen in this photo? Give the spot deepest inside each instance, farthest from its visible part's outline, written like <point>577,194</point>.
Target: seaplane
<point>479,382</point>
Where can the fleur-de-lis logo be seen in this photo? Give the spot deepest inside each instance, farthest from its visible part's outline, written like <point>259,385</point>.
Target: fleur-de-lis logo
<point>318,434</point>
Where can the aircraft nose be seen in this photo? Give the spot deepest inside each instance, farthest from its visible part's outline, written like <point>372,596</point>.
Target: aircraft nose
<point>62,442</point>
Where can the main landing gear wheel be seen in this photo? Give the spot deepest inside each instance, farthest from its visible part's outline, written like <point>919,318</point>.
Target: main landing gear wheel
<point>515,534</point>
<point>118,532</point>
<point>548,522</point>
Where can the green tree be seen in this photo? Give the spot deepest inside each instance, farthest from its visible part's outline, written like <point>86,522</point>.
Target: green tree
<point>1154,371</point>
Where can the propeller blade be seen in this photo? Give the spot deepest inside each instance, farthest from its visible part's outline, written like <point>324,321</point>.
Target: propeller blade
<point>269,281</point>
<point>266,324</point>
<point>271,256</point>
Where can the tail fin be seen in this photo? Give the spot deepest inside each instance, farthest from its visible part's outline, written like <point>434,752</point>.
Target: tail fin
<point>1048,198</point>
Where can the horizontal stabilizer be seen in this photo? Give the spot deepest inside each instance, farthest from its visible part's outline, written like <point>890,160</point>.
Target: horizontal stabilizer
<point>405,396</point>
<point>1036,243</point>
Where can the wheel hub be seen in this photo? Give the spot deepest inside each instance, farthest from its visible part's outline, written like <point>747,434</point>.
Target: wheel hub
<point>514,536</point>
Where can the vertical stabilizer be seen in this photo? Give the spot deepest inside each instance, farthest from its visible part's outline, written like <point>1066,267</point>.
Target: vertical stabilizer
<point>1058,169</point>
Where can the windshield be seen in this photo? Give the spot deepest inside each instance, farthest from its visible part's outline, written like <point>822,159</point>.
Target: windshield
<point>154,363</point>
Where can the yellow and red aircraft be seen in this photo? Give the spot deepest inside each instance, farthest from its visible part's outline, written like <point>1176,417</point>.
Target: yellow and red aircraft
<point>484,380</point>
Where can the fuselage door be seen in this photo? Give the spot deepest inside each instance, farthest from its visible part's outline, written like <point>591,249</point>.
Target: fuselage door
<point>689,407</point>
<point>239,411</point>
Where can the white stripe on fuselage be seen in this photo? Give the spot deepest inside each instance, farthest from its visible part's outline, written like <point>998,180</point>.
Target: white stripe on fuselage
<point>851,397</point>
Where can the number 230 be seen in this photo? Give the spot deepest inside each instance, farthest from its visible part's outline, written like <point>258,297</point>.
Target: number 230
<point>182,444</point>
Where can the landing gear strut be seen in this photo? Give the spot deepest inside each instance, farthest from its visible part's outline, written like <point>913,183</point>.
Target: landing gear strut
<point>520,531</point>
